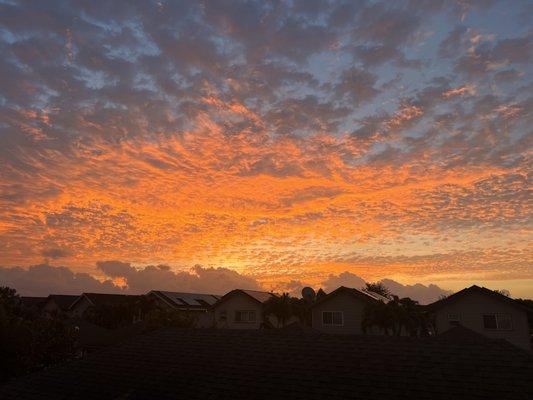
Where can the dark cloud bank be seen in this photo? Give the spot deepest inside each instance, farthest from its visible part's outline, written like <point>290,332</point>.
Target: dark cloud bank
<point>43,279</point>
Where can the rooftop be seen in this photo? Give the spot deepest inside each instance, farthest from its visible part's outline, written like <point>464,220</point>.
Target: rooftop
<point>290,364</point>
<point>257,295</point>
<point>189,300</point>
<point>63,301</point>
<point>32,301</point>
<point>477,289</point>
<point>363,294</point>
<point>98,299</point>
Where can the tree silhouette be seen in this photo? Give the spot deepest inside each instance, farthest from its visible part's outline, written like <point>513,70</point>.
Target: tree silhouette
<point>302,309</point>
<point>379,288</point>
<point>29,342</point>
<point>377,315</point>
<point>397,317</point>
<point>116,315</point>
<point>280,307</point>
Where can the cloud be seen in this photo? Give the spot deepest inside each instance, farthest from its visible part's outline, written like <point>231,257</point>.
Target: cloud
<point>356,85</point>
<point>376,55</point>
<point>483,54</point>
<point>275,136</point>
<point>55,253</point>
<point>44,279</point>
<point>162,277</point>
<point>121,277</point>
<point>419,292</point>
<point>343,279</point>
<point>293,287</point>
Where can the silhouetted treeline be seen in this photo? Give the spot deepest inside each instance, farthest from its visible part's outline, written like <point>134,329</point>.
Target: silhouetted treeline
<point>28,341</point>
<point>284,307</point>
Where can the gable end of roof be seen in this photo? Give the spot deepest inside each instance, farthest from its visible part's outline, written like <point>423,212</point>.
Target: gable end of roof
<point>476,289</point>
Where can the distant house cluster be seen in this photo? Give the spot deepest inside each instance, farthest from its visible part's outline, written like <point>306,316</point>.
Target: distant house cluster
<point>340,312</point>
<point>479,349</point>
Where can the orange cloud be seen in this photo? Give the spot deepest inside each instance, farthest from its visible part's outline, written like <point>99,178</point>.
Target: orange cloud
<point>467,89</point>
<point>276,207</point>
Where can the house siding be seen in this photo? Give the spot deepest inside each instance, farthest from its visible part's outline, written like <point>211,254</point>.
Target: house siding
<point>352,309</point>
<point>471,308</point>
<point>238,302</point>
<point>51,309</point>
<point>79,308</point>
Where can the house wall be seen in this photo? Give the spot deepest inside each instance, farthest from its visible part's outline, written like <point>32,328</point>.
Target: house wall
<point>238,302</point>
<point>471,308</point>
<point>51,309</point>
<point>349,305</point>
<point>80,307</point>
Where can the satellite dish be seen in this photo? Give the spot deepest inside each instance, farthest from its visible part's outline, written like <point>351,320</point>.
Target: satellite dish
<point>308,293</point>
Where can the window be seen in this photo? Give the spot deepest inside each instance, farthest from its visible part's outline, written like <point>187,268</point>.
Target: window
<point>332,318</point>
<point>454,319</point>
<point>501,322</point>
<point>245,316</point>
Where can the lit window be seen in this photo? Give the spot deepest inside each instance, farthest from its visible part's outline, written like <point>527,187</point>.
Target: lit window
<point>332,318</point>
<point>245,316</point>
<point>502,322</point>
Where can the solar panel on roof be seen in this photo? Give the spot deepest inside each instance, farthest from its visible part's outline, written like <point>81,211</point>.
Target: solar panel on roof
<point>191,299</point>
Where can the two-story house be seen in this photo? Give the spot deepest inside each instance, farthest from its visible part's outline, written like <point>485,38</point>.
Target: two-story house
<point>240,309</point>
<point>341,311</point>
<point>196,305</point>
<point>58,305</point>
<point>484,311</point>
<point>86,300</point>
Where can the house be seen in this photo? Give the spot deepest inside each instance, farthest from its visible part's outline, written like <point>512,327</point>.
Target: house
<point>483,311</point>
<point>285,364</point>
<point>241,309</point>
<point>341,311</point>
<point>57,305</point>
<point>184,301</point>
<point>33,303</point>
<point>197,305</point>
<point>86,300</point>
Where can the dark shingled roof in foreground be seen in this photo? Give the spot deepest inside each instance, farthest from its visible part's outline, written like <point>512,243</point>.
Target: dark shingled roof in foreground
<point>234,364</point>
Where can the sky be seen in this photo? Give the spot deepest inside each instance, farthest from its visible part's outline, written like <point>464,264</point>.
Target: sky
<point>280,143</point>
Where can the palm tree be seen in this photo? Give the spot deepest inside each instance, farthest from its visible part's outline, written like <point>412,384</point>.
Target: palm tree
<point>301,308</point>
<point>379,288</point>
<point>281,307</point>
<point>378,315</point>
<point>396,317</point>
